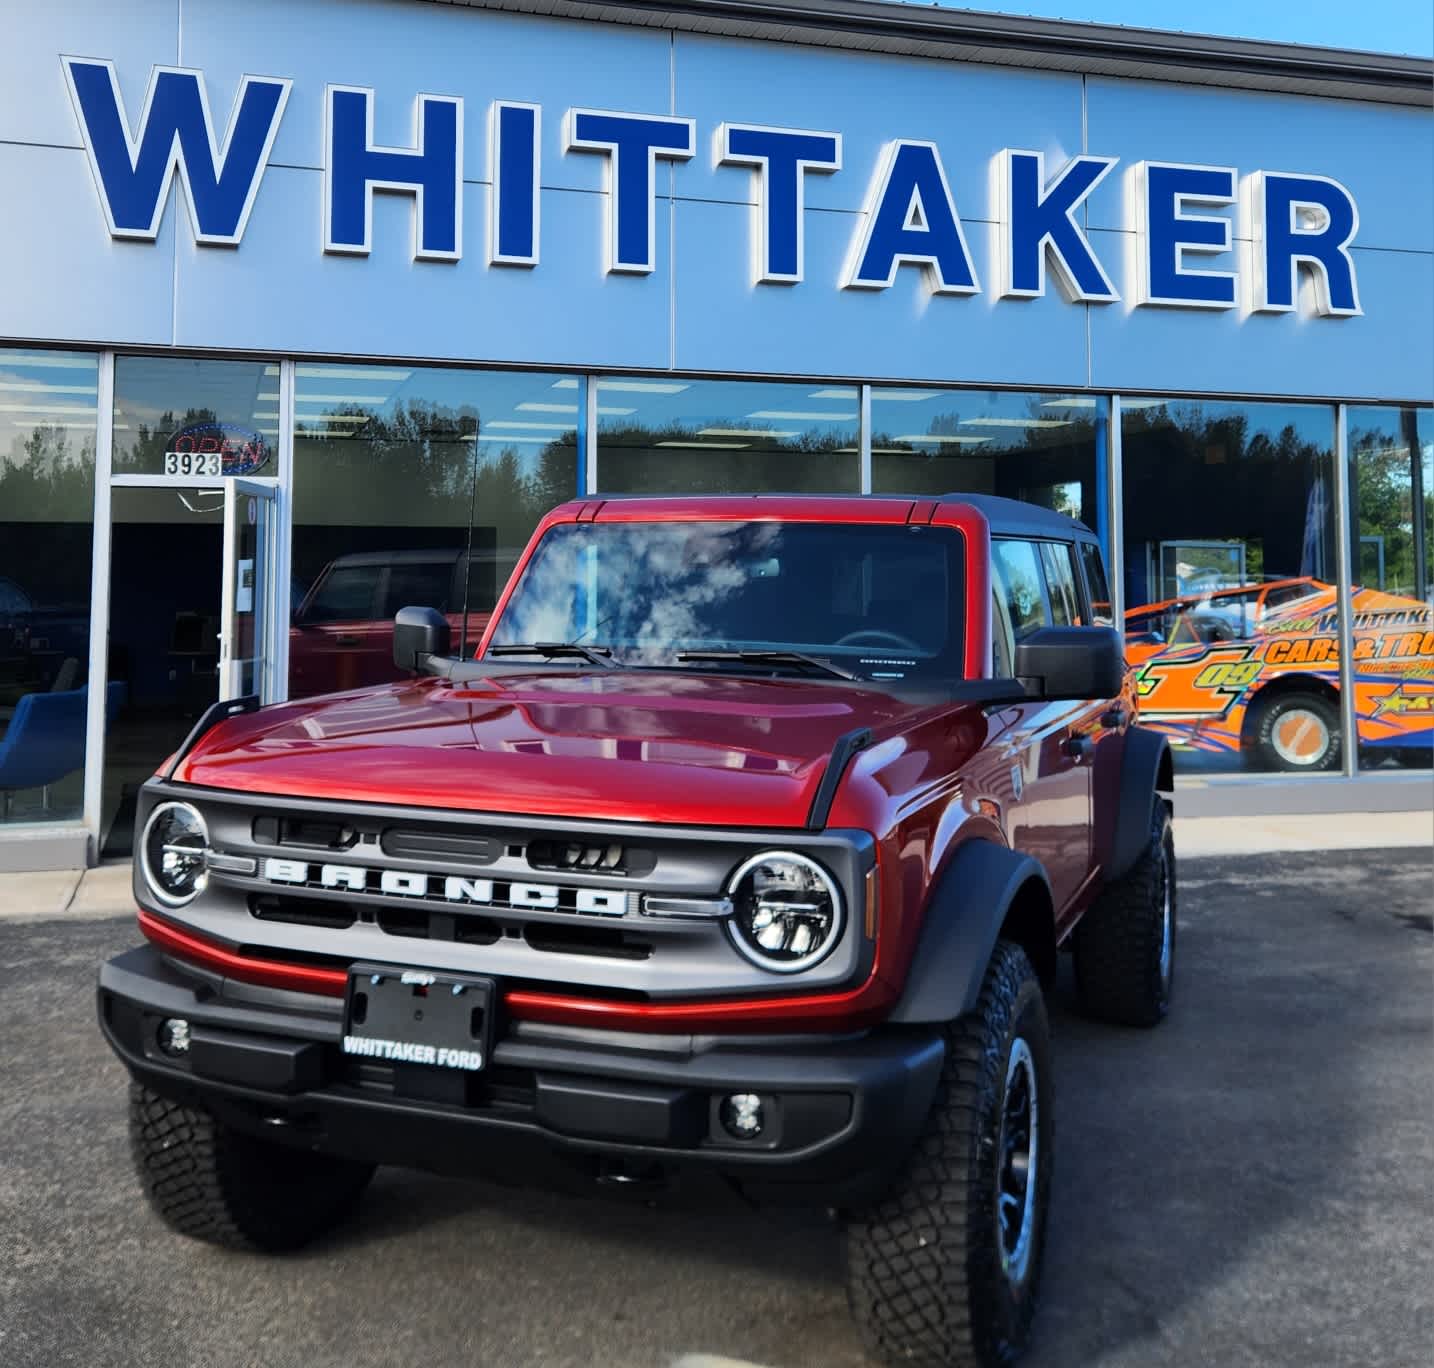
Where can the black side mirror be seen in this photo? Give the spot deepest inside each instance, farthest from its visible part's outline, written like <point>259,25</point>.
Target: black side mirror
<point>1071,662</point>
<point>419,635</point>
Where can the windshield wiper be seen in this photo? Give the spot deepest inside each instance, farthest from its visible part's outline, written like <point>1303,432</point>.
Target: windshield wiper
<point>553,650</point>
<point>769,658</point>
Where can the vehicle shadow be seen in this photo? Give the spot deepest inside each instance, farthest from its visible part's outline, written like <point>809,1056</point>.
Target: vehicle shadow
<point>1188,1156</point>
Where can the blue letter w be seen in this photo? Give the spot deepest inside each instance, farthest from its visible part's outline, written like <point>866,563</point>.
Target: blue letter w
<point>176,134</point>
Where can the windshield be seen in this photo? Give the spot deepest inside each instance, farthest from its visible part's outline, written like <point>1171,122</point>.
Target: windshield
<point>880,602</point>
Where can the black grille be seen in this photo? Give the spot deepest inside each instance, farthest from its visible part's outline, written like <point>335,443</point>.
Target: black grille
<point>283,907</point>
<point>607,942</point>
<point>420,844</point>
<point>601,857</point>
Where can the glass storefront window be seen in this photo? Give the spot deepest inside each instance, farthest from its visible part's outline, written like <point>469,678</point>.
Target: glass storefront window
<point>389,464</point>
<point>1040,448</point>
<point>48,416</point>
<point>1229,569</point>
<point>726,437</point>
<point>1391,452</point>
<point>181,416</point>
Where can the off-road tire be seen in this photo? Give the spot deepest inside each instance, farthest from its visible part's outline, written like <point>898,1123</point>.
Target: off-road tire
<point>926,1281</point>
<point>1118,943</point>
<point>1273,711</point>
<point>208,1181</point>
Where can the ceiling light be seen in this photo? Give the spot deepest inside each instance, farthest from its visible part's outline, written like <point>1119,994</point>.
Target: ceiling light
<point>745,432</point>
<point>552,427</point>
<point>566,383</point>
<point>943,438</point>
<point>894,451</point>
<point>549,408</point>
<point>268,397</point>
<point>1016,422</point>
<point>44,362</point>
<point>708,446</point>
<point>1081,403</point>
<point>895,396</point>
<point>47,408</point>
<point>1142,403</point>
<point>832,394</point>
<point>266,414</point>
<point>790,414</point>
<point>34,386</point>
<point>351,373</point>
<point>339,398</point>
<point>508,439</point>
<point>56,423</point>
<point>641,386</point>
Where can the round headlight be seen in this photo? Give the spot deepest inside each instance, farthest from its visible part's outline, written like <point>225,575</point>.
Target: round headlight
<point>786,911</point>
<point>172,849</point>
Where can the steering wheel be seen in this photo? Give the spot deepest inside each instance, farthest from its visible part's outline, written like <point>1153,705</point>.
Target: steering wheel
<point>874,636</point>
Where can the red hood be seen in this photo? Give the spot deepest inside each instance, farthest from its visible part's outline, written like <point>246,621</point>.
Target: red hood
<point>661,747</point>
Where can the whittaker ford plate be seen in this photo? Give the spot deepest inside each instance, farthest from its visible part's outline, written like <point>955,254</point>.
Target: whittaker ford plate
<point>417,1016</point>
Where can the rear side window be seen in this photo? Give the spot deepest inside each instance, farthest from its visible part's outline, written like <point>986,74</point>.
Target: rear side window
<point>421,585</point>
<point>1061,584</point>
<point>1095,582</point>
<point>346,595</point>
<point>1018,575</point>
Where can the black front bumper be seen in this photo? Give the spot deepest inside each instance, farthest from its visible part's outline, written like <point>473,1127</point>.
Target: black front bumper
<point>841,1112</point>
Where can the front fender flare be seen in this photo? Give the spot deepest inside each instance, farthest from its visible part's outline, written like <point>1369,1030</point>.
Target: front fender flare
<point>963,918</point>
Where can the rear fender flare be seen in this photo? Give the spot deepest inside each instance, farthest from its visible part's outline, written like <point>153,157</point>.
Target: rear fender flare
<point>1146,769</point>
<point>964,916</point>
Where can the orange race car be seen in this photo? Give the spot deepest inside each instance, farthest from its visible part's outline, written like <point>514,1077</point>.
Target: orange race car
<point>1255,669</point>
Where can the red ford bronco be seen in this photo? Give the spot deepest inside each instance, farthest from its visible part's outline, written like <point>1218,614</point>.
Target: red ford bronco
<point>747,839</point>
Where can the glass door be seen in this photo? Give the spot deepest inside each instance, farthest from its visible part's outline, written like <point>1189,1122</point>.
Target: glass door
<point>247,614</point>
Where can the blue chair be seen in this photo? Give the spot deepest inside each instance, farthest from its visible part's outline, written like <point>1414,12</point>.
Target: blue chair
<point>45,740</point>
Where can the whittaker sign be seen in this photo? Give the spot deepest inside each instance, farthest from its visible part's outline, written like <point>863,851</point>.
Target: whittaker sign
<point>1180,214</point>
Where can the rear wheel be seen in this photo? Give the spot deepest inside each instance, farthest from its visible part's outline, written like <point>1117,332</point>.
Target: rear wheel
<point>212,1182</point>
<point>944,1271</point>
<point>1298,732</point>
<point>1125,943</point>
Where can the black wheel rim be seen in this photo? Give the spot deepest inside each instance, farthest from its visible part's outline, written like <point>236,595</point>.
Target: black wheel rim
<point>1018,1157</point>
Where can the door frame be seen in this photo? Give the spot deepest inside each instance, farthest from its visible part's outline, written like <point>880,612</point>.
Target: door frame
<point>278,569</point>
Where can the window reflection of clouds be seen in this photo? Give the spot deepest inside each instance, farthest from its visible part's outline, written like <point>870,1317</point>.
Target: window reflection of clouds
<point>650,590</point>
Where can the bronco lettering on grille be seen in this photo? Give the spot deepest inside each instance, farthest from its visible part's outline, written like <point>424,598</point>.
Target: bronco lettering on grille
<point>405,883</point>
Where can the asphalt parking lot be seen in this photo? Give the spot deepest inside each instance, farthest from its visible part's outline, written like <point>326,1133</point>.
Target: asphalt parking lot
<point>1247,1185</point>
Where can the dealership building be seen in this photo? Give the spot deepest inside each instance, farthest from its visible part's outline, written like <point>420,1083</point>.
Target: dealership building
<point>311,308</point>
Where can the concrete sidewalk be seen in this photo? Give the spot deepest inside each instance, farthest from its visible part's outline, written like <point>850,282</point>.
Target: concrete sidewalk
<point>105,892</point>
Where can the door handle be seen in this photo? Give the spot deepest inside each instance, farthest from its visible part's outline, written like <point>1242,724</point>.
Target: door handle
<point>348,641</point>
<point>1080,748</point>
<point>1114,717</point>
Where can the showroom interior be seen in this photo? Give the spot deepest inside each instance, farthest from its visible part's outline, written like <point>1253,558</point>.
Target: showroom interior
<point>359,481</point>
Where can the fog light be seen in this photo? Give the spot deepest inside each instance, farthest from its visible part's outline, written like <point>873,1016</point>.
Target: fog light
<point>742,1116</point>
<point>174,1036</point>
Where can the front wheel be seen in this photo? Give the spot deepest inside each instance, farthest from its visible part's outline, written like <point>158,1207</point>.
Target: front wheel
<point>944,1271</point>
<point>1299,733</point>
<point>209,1181</point>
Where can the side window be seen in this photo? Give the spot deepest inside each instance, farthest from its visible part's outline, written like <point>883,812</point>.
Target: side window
<point>1002,664</point>
<point>1061,584</point>
<point>346,595</point>
<point>1095,582</point>
<point>420,585</point>
<point>1018,575</point>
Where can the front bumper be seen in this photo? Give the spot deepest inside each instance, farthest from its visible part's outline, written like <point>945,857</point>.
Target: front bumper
<point>841,1111</point>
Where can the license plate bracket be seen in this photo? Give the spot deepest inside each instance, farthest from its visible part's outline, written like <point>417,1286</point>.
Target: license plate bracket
<point>419,1016</point>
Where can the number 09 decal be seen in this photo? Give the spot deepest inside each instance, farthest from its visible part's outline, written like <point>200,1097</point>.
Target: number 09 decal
<point>1229,675</point>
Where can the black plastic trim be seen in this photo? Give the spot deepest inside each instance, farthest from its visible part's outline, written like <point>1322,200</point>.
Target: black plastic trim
<point>213,716</point>
<point>1145,769</point>
<point>963,919</point>
<point>845,746</point>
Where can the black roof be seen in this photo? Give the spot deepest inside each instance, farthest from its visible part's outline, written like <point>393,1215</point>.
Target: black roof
<point>1022,519</point>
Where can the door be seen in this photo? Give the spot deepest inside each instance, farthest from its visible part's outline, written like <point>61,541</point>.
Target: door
<point>1050,743</point>
<point>247,613</point>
